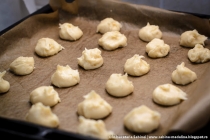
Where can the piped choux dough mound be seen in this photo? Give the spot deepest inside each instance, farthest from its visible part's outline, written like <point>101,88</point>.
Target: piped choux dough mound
<point>183,75</point>
<point>191,38</point>
<point>70,32</point>
<point>157,48</point>
<point>135,66</point>
<point>46,95</point>
<point>118,85</point>
<point>65,76</point>
<point>94,128</point>
<point>107,25</point>
<point>22,65</point>
<point>149,32</point>
<point>94,107</point>
<point>4,85</point>
<point>142,120</point>
<point>42,115</point>
<point>112,40</point>
<point>168,95</point>
<point>91,59</point>
<point>199,54</point>
<point>46,47</point>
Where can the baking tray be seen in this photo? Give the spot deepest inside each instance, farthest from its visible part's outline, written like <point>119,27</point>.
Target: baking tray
<point>52,131</point>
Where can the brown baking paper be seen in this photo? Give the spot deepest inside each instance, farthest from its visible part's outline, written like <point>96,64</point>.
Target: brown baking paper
<point>189,115</point>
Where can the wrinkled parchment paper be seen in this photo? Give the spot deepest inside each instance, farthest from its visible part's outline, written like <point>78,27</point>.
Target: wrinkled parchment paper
<point>189,116</point>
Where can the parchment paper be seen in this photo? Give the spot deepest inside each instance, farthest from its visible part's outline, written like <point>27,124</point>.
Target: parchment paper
<point>189,116</point>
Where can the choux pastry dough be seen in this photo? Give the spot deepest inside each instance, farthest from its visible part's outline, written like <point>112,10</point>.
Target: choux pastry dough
<point>42,115</point>
<point>112,40</point>
<point>22,65</point>
<point>94,107</point>
<point>107,25</point>
<point>4,85</point>
<point>91,59</point>
<point>46,47</point>
<point>65,76</point>
<point>149,32</point>
<point>70,32</point>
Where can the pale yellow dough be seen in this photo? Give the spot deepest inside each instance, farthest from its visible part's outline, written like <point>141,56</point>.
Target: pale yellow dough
<point>112,40</point>
<point>93,128</point>
<point>70,32</point>
<point>107,25</point>
<point>168,94</point>
<point>199,54</point>
<point>183,75</point>
<point>65,76</point>
<point>135,66</point>
<point>22,65</point>
<point>191,38</point>
<point>142,120</point>
<point>4,85</point>
<point>91,59</point>
<point>94,107</point>
<point>42,115</point>
<point>157,48</point>
<point>46,95</point>
<point>118,85</point>
<point>149,32</point>
<point>46,47</point>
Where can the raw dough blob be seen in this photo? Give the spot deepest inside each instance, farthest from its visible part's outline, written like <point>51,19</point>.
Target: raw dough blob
<point>93,128</point>
<point>47,47</point>
<point>182,75</point>
<point>94,107</point>
<point>4,85</point>
<point>157,48</point>
<point>107,25</point>
<point>42,115</point>
<point>168,94</point>
<point>70,32</point>
<point>91,59</point>
<point>149,32</point>
<point>112,40</point>
<point>142,120</point>
<point>199,54</point>
<point>46,95</point>
<point>135,66</point>
<point>118,85</point>
<point>22,65</point>
<point>65,76</point>
<point>191,38</point>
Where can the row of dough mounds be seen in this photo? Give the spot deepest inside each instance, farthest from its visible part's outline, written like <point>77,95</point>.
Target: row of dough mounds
<point>140,119</point>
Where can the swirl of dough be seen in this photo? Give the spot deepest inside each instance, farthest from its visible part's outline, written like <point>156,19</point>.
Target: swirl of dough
<point>94,107</point>
<point>112,40</point>
<point>135,66</point>
<point>42,115</point>
<point>157,48</point>
<point>149,32</point>
<point>118,85</point>
<point>199,54</point>
<point>22,65</point>
<point>47,47</point>
<point>65,76</point>
<point>4,85</point>
<point>182,75</point>
<point>70,32</point>
<point>46,95</point>
<point>90,59</point>
<point>107,25</point>
<point>93,128</point>
<point>142,120</point>
<point>191,38</point>
<point>168,94</point>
